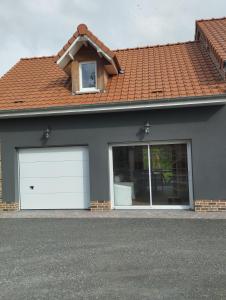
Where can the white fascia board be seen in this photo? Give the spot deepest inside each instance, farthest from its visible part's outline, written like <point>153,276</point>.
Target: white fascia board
<point>67,51</point>
<point>102,52</point>
<point>97,47</point>
<point>111,108</point>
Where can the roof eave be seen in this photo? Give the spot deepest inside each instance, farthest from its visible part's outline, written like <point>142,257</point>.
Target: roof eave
<point>117,107</point>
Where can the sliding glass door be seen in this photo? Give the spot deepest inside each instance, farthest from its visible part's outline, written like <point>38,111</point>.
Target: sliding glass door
<point>150,175</point>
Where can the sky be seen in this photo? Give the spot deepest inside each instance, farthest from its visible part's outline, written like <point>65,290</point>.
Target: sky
<point>41,27</point>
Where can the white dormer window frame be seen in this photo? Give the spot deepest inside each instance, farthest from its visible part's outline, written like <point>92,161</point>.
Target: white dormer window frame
<point>87,89</point>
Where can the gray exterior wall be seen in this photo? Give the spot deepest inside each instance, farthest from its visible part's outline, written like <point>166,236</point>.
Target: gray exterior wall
<point>205,127</point>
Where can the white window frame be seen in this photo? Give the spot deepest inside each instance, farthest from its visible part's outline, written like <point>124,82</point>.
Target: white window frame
<point>190,183</point>
<point>87,90</point>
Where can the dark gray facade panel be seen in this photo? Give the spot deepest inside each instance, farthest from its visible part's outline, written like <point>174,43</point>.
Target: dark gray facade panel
<point>205,127</point>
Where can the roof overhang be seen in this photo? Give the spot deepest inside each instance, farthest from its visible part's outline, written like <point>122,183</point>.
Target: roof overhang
<point>117,107</point>
<point>74,48</point>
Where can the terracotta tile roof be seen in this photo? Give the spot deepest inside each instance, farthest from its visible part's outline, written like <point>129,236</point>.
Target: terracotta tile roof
<point>214,31</point>
<point>150,74</point>
<point>82,30</point>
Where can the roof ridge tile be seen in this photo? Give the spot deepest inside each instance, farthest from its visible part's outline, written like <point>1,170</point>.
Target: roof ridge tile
<point>37,57</point>
<point>154,46</point>
<point>210,19</point>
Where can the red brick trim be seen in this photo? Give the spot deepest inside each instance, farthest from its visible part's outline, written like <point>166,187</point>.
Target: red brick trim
<point>100,205</point>
<point>210,205</point>
<point>4,206</point>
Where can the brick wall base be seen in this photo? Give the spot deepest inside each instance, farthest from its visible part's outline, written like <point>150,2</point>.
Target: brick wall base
<point>210,205</point>
<point>100,206</point>
<point>4,206</point>
<point>200,206</point>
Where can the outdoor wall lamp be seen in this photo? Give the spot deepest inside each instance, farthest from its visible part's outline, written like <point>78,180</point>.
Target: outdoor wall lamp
<point>147,127</point>
<point>47,133</point>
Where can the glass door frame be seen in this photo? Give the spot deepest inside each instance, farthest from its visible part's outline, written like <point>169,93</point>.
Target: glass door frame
<point>149,144</point>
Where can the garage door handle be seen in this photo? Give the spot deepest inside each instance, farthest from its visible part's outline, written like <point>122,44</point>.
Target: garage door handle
<point>31,187</point>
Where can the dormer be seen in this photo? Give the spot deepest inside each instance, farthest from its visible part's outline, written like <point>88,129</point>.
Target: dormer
<point>212,36</point>
<point>88,62</point>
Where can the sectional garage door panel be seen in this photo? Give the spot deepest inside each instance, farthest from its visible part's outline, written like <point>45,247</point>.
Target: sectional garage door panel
<point>54,154</point>
<point>54,201</point>
<point>54,169</point>
<point>54,178</point>
<point>53,185</point>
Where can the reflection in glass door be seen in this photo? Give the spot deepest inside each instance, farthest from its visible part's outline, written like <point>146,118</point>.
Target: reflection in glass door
<point>169,175</point>
<point>164,167</point>
<point>131,175</point>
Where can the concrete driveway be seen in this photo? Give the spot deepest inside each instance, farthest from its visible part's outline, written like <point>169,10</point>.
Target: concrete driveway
<point>112,259</point>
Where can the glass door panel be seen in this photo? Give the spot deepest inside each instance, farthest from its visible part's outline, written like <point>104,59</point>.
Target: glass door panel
<point>169,175</point>
<point>131,175</point>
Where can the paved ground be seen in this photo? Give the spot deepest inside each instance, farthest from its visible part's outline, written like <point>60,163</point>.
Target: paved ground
<point>153,214</point>
<point>112,259</point>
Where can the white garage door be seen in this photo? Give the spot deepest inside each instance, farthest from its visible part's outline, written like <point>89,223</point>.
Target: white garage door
<point>54,178</point>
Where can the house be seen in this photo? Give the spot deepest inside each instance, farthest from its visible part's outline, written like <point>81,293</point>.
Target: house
<point>137,128</point>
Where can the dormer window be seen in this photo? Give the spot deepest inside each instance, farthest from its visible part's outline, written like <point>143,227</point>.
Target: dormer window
<point>88,76</point>
<point>88,62</point>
